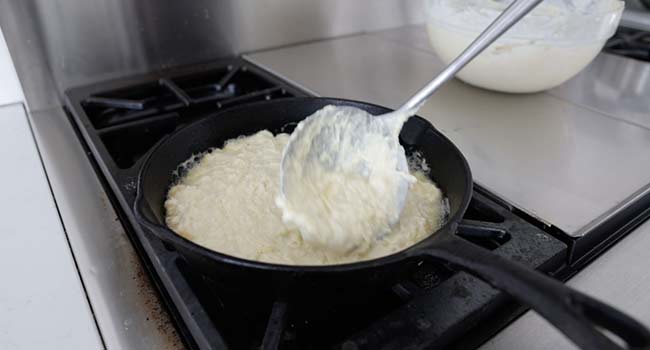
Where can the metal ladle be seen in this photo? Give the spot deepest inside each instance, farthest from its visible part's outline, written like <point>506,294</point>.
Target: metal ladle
<point>327,140</point>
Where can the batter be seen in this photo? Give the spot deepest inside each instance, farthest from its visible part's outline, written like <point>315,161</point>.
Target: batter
<point>226,202</point>
<point>344,186</point>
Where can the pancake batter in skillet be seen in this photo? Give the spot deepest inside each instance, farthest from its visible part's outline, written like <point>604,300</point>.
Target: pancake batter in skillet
<point>226,202</point>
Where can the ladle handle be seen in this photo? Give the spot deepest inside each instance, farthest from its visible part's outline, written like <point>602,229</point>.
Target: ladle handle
<point>511,15</point>
<point>580,317</point>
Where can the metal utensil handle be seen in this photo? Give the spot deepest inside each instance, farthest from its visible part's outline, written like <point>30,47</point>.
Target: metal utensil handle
<point>511,15</point>
<point>580,317</point>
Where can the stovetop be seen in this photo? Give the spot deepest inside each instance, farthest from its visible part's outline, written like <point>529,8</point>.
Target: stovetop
<point>119,121</point>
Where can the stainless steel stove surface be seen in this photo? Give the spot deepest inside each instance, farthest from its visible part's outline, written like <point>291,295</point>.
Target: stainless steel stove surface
<point>119,121</point>
<point>563,174</point>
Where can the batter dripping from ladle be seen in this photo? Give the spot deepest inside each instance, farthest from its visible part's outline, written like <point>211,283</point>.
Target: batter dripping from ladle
<point>343,174</point>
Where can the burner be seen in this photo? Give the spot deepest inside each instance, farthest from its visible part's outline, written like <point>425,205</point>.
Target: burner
<point>630,43</point>
<point>433,306</point>
<point>167,104</point>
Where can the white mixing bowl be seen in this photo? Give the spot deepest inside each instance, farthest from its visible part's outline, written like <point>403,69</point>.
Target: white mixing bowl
<point>546,48</point>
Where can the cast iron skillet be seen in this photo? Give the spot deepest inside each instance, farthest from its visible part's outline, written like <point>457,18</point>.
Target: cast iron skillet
<point>578,316</point>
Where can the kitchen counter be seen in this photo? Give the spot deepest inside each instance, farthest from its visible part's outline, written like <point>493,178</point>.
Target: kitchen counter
<point>42,302</point>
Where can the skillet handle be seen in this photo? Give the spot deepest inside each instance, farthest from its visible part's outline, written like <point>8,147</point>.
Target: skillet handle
<point>580,317</point>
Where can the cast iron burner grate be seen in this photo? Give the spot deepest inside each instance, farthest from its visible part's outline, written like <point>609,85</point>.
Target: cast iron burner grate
<point>433,306</point>
<point>631,43</point>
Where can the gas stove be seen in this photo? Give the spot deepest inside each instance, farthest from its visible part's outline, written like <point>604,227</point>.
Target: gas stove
<point>119,121</point>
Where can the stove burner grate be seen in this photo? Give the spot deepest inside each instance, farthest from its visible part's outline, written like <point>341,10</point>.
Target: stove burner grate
<point>630,43</point>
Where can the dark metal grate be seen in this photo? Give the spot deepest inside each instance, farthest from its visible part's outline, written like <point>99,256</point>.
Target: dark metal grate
<point>130,120</point>
<point>630,43</point>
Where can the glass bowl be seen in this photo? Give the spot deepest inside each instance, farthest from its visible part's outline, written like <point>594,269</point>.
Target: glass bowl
<point>546,48</point>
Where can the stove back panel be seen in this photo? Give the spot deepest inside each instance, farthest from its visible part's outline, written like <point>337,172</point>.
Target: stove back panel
<point>67,43</point>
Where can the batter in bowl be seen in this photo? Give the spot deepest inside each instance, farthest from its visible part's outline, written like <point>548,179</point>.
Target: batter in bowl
<point>226,202</point>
